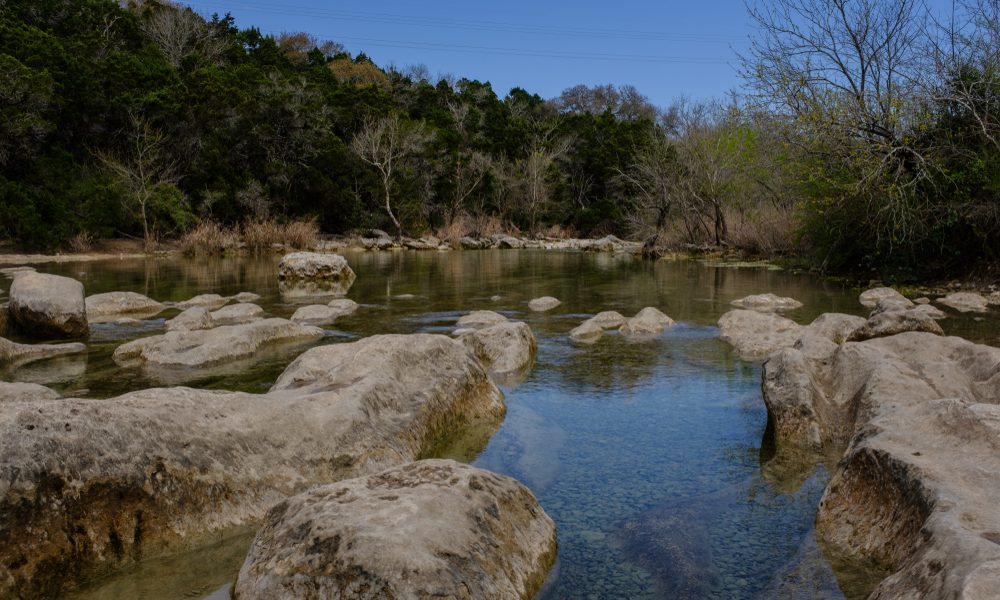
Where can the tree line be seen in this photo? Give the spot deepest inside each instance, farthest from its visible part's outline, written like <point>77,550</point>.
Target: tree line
<point>865,136</point>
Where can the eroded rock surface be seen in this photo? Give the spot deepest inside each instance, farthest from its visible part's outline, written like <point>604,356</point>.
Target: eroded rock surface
<point>209,301</point>
<point>312,266</point>
<point>236,314</point>
<point>915,492</point>
<point>208,347</point>
<point>43,305</point>
<point>756,335</point>
<point>608,319</point>
<point>507,348</point>
<point>88,486</point>
<point>25,392</point>
<point>480,318</point>
<point>587,332</point>
<point>429,529</point>
<point>192,319</point>
<point>767,302</point>
<point>111,306</point>
<point>871,298</point>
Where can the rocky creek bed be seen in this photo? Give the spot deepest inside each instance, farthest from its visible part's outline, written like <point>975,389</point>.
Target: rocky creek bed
<point>643,436</point>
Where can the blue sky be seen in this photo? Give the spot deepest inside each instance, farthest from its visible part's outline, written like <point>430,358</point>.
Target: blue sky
<point>666,49</point>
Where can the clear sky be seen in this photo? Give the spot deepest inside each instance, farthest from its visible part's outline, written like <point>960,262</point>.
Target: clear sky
<point>666,49</point>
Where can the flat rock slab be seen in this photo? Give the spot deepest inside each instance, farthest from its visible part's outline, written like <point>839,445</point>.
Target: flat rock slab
<point>316,314</point>
<point>43,305</point>
<point>767,302</point>
<point>429,529</point>
<point>89,486</point>
<point>965,302</point>
<point>15,353</point>
<point>108,307</point>
<point>25,392</point>
<point>544,303</point>
<point>192,319</point>
<point>209,301</point>
<point>237,314</point>
<point>209,347</point>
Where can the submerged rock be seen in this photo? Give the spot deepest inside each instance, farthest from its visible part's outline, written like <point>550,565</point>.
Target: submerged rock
<point>209,301</point>
<point>316,314</point>
<point>25,392</point>
<point>647,322</point>
<point>914,492</point>
<point>246,297</point>
<point>544,303</point>
<point>43,305</point>
<point>111,306</point>
<point>507,348</point>
<point>767,302</point>
<point>965,302</point>
<point>14,353</point>
<point>429,529</point>
<point>208,347</point>
<point>312,266</point>
<point>88,486</point>
<point>870,298</point>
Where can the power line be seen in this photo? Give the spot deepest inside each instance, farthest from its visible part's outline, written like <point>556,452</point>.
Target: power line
<point>491,26</point>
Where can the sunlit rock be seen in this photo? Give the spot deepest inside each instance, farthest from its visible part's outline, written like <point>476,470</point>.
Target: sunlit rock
<point>480,318</point>
<point>587,332</point>
<point>111,306</point>
<point>965,302</point>
<point>767,302</point>
<point>870,298</point>
<point>544,303</point>
<point>15,353</point>
<point>429,529</point>
<point>236,314</point>
<point>44,305</point>
<point>192,319</point>
<point>209,301</point>
<point>25,392</point>
<point>312,266</point>
<point>647,322</point>
<point>507,348</point>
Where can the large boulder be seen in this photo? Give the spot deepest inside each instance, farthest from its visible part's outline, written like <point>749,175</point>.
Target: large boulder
<point>892,322</point>
<point>111,306</point>
<point>209,347</point>
<point>312,266</point>
<point>649,321</point>
<point>767,302</point>
<point>917,417</point>
<point>316,314</point>
<point>15,353</point>
<point>429,529</point>
<point>507,348</point>
<point>756,335</point>
<point>195,318</point>
<point>43,305</point>
<point>965,302</point>
<point>88,486</point>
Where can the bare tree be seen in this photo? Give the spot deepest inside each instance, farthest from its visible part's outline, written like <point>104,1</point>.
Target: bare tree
<point>141,170</point>
<point>653,179</point>
<point>386,143</point>
<point>532,171</point>
<point>180,32</point>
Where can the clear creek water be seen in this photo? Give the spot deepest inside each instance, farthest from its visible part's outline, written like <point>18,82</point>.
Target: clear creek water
<point>650,456</point>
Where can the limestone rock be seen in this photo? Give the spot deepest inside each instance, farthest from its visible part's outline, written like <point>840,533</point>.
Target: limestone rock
<point>884,324</point>
<point>965,302</point>
<point>246,297</point>
<point>208,347</point>
<point>209,301</point>
<point>15,272</point>
<point>25,392</point>
<point>312,266</point>
<point>767,302</point>
<point>648,321</point>
<point>891,303</point>
<point>870,298</point>
<point>544,303</point>
<point>14,353</point>
<point>236,314</point>
<point>915,490</point>
<point>44,305</point>
<point>193,319</point>
<point>429,529</point>
<point>756,335</point>
<point>608,319</point>
<point>480,318</point>
<point>587,332</point>
<point>507,348</point>
<point>343,306</point>
<point>108,307</point>
<point>88,486</point>
<point>316,314</point>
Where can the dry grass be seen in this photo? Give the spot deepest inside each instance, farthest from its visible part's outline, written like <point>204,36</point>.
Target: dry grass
<point>208,238</point>
<point>479,226</point>
<point>81,242</point>
<point>560,232</point>
<point>764,231</point>
<point>262,235</point>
